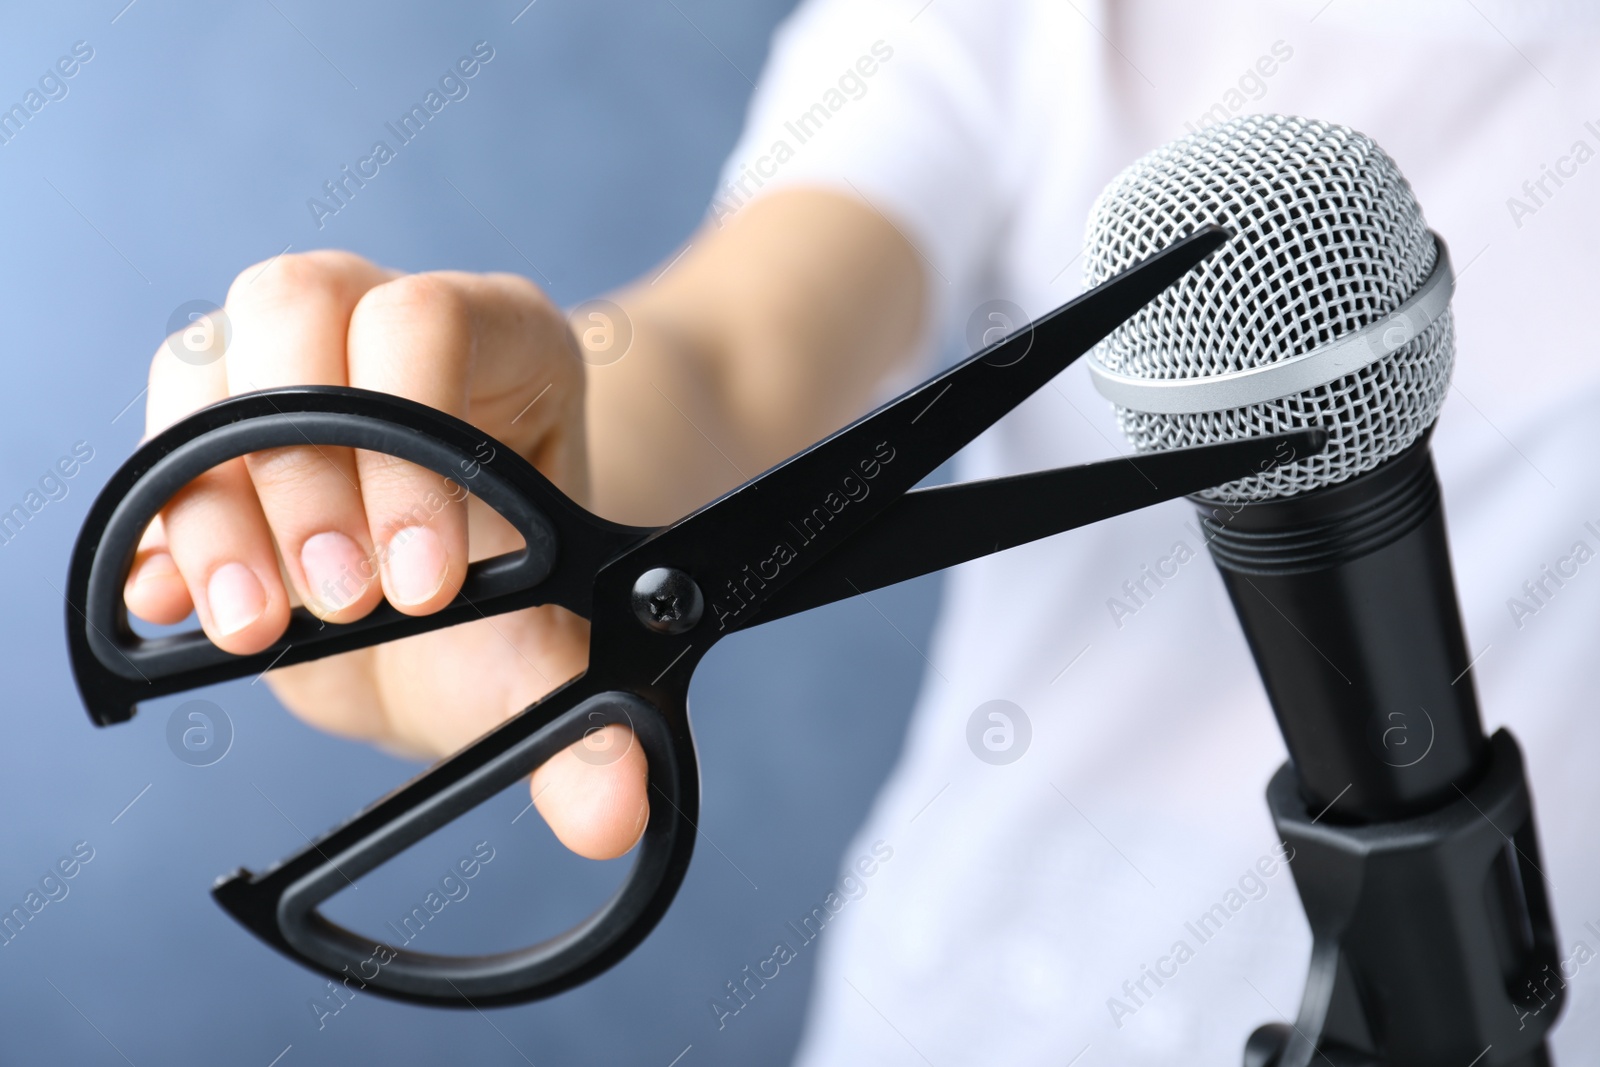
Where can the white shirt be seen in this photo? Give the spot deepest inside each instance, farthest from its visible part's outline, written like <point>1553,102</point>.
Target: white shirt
<point>1024,900</point>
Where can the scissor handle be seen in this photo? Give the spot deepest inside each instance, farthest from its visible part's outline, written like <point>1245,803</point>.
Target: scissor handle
<point>116,668</point>
<point>280,904</point>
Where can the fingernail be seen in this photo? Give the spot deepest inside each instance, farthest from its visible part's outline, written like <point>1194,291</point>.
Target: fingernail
<point>333,564</point>
<point>236,598</point>
<point>415,565</point>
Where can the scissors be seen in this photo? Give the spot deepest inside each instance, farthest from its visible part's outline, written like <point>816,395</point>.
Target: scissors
<point>841,518</point>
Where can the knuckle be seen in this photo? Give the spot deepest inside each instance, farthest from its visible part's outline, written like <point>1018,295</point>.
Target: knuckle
<point>293,277</point>
<point>292,472</point>
<point>433,301</point>
<point>404,514</point>
<point>395,487</point>
<point>390,470</point>
<point>524,293</point>
<point>542,329</point>
<point>197,500</point>
<point>541,316</point>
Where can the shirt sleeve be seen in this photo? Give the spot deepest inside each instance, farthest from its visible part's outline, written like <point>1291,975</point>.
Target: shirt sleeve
<point>901,105</point>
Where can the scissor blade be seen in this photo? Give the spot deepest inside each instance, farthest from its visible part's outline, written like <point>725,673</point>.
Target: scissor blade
<point>743,548</point>
<point>927,530</point>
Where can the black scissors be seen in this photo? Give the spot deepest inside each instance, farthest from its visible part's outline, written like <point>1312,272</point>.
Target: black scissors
<point>838,519</point>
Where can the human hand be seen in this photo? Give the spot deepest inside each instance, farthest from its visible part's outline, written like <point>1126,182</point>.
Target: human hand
<point>340,529</point>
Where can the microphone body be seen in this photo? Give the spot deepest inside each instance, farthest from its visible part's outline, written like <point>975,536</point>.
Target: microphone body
<point>1347,600</point>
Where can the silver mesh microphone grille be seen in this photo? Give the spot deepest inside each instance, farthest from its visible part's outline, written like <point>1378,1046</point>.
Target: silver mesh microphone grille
<point>1329,240</point>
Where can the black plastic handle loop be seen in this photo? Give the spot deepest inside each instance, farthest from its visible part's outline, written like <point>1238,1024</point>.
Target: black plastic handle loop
<point>116,667</point>
<point>132,656</point>
<point>280,905</point>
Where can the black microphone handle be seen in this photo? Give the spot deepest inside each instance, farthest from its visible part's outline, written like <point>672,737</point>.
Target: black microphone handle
<point>1346,597</point>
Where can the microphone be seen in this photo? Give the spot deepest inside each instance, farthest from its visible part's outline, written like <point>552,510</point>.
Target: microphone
<point>1411,835</point>
<point>1330,307</point>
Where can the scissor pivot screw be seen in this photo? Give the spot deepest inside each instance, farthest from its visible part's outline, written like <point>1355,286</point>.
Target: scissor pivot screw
<point>667,601</point>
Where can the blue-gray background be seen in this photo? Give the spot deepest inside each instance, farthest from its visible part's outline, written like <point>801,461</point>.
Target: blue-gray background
<point>185,150</point>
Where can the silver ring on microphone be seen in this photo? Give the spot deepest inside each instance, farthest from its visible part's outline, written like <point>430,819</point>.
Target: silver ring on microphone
<point>1273,381</point>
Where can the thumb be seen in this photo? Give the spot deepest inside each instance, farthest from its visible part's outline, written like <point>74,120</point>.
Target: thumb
<point>593,793</point>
